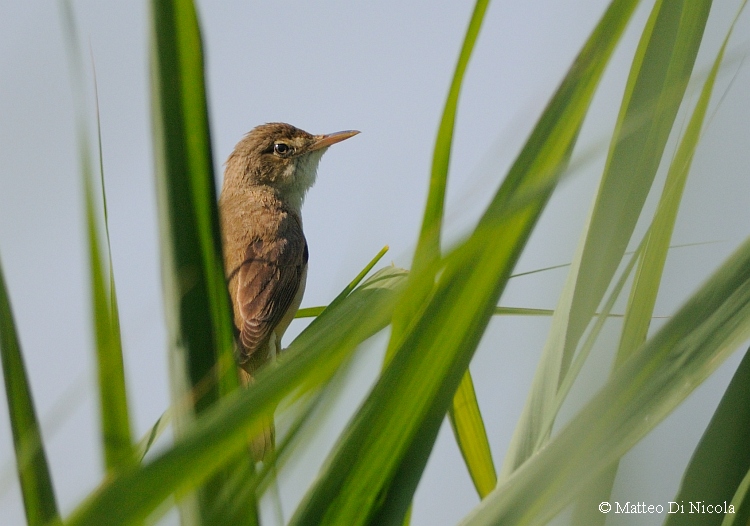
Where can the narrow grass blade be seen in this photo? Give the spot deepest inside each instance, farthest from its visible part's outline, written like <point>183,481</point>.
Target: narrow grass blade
<point>222,431</point>
<point>359,277</point>
<point>428,251</point>
<point>520,311</point>
<point>657,81</point>
<point>116,436</point>
<point>428,246</point>
<point>564,265</point>
<point>722,458</point>
<point>468,427</point>
<point>145,443</point>
<point>372,473</point>
<point>311,312</point>
<point>639,395</point>
<point>31,462</point>
<point>113,407</point>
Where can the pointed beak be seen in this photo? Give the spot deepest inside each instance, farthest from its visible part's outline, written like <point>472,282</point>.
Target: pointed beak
<point>324,141</point>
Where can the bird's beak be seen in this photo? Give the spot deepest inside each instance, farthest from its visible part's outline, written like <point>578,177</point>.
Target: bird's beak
<point>324,141</point>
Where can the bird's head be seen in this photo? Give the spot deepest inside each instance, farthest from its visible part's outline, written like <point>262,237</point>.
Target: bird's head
<point>280,156</point>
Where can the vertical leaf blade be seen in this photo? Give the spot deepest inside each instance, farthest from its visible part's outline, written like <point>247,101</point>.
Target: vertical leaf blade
<point>196,299</point>
<point>115,420</point>
<point>187,198</point>
<point>428,246</point>
<point>428,253</point>
<point>33,472</point>
<point>648,276</point>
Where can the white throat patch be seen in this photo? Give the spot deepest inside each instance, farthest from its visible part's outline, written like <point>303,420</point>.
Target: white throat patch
<point>302,175</point>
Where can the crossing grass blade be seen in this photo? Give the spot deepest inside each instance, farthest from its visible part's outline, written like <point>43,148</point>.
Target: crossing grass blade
<point>38,494</point>
<point>373,471</point>
<point>588,344</point>
<point>222,431</point>
<point>653,94</point>
<point>639,395</point>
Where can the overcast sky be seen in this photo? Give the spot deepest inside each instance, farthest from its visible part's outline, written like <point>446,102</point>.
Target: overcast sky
<point>379,67</point>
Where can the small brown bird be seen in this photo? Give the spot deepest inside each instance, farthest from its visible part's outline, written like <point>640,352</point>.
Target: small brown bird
<point>265,251</point>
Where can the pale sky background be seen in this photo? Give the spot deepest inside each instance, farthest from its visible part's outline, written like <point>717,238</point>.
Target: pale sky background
<point>379,67</point>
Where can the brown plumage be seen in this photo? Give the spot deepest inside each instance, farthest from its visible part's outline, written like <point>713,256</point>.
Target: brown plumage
<point>265,251</point>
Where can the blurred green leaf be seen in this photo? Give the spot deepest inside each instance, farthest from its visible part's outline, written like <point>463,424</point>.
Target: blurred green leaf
<point>741,503</point>
<point>195,293</point>
<point>196,298</point>
<point>468,427</point>
<point>722,458</point>
<point>428,249</point>
<point>648,276</point>
<point>372,473</point>
<point>588,344</point>
<point>31,462</point>
<point>222,431</point>
<point>647,280</point>
<point>116,436</point>
<point>145,443</point>
<point>112,389</point>
<point>639,395</point>
<point>310,312</point>
<point>657,82</point>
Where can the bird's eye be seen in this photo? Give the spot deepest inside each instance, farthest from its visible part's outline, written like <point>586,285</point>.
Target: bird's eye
<point>282,148</point>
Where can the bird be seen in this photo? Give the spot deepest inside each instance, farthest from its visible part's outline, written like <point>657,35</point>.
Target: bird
<point>265,251</point>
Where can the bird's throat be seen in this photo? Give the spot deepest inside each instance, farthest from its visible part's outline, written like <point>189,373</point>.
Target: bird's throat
<point>302,175</point>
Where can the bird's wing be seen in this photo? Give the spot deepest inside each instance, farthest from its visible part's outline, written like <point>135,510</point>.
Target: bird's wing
<point>268,280</point>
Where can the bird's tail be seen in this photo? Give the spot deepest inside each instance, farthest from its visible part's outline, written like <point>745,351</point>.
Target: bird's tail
<point>261,444</point>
